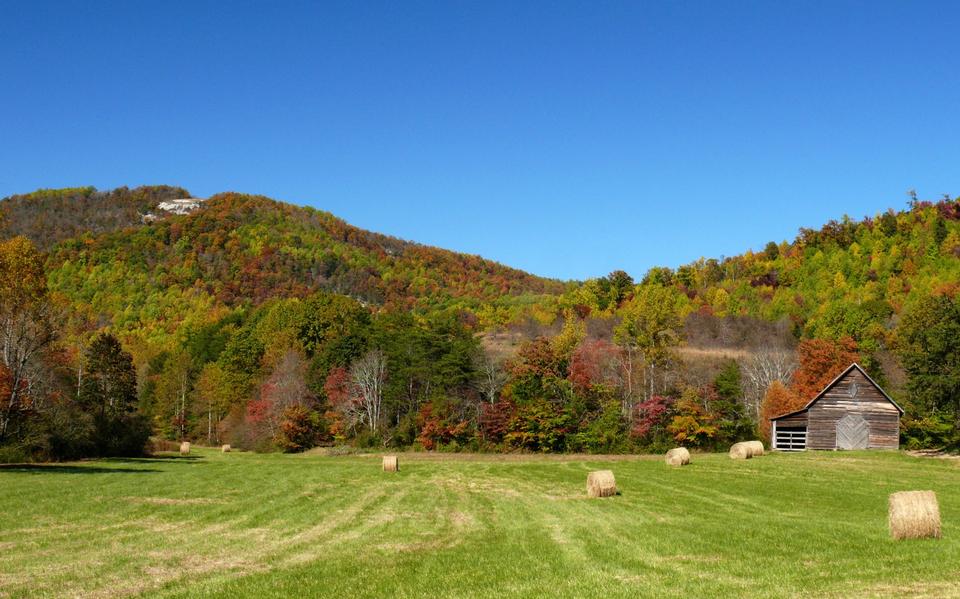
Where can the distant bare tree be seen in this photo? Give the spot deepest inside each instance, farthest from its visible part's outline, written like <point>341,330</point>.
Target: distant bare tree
<point>367,376</point>
<point>288,381</point>
<point>285,388</point>
<point>768,364</point>
<point>492,377</point>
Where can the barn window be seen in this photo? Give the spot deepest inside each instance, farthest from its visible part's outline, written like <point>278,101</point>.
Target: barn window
<point>791,438</point>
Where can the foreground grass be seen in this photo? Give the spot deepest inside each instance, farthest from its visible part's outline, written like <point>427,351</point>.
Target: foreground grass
<point>242,524</point>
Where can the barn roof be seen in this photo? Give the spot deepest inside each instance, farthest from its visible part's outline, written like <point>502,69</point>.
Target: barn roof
<point>834,382</point>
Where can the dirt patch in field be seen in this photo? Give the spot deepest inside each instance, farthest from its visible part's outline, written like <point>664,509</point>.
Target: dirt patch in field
<point>175,501</point>
<point>915,590</point>
<point>462,520</point>
<point>157,574</point>
<point>426,456</point>
<point>697,559</point>
<point>933,453</point>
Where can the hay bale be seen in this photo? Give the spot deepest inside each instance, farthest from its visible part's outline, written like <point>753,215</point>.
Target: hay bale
<point>678,456</point>
<point>225,448</point>
<point>740,451</point>
<point>185,448</point>
<point>756,447</point>
<point>600,483</point>
<point>914,515</point>
<point>390,463</point>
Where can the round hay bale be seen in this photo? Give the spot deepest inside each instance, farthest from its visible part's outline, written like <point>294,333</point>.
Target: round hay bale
<point>185,448</point>
<point>225,448</point>
<point>390,463</point>
<point>678,456</point>
<point>600,483</point>
<point>756,448</point>
<point>914,515</point>
<point>740,451</point>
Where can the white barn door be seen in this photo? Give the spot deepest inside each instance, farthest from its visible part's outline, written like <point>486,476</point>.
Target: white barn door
<point>853,432</point>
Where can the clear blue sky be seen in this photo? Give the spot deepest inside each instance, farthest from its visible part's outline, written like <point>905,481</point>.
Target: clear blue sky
<point>567,139</point>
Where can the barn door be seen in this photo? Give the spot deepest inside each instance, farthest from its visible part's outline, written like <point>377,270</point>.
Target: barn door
<point>853,432</point>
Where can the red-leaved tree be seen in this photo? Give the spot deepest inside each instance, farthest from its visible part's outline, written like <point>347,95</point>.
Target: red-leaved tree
<point>651,416</point>
<point>594,362</point>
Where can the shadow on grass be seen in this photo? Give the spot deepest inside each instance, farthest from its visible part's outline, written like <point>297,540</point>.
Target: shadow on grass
<point>69,469</point>
<point>153,458</point>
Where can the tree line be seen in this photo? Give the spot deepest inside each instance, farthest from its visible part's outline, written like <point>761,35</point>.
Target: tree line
<point>325,369</point>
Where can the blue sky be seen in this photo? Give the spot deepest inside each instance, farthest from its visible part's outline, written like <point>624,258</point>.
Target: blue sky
<point>567,139</point>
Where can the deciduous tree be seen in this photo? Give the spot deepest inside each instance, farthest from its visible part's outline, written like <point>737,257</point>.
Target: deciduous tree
<point>929,346</point>
<point>26,328</point>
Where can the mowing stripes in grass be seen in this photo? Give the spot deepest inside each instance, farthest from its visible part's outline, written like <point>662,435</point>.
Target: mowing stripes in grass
<point>242,524</point>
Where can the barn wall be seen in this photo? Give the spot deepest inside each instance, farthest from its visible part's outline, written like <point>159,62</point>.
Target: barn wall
<point>793,420</point>
<point>882,416</point>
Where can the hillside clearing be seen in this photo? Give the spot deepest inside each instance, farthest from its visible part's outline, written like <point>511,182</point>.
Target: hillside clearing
<point>240,524</point>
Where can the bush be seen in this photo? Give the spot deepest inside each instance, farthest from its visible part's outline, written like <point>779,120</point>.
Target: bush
<point>121,436</point>
<point>607,433</point>
<point>14,454</point>
<point>158,444</point>
<point>70,435</point>
<point>300,429</point>
<point>366,438</point>
<point>932,431</point>
<point>538,426</point>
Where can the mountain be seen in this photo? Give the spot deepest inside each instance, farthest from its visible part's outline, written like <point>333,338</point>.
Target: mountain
<point>142,263</point>
<point>118,258</point>
<point>49,216</point>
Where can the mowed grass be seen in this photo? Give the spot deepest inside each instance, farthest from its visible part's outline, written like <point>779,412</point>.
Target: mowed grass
<point>241,524</point>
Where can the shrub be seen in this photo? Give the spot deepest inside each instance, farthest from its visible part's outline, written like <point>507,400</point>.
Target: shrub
<point>300,429</point>
<point>538,426</point>
<point>935,430</point>
<point>123,435</point>
<point>606,433</point>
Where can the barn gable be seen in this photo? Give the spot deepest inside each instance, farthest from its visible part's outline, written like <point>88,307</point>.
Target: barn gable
<point>852,412</point>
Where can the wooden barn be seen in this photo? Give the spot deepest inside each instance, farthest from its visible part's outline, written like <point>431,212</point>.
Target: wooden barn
<point>852,412</point>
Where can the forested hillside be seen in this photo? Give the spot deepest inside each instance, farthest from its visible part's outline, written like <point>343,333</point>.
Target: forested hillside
<point>49,216</point>
<point>143,279</point>
<point>268,325</point>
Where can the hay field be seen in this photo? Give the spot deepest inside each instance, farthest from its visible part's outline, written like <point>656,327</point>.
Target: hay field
<point>236,524</point>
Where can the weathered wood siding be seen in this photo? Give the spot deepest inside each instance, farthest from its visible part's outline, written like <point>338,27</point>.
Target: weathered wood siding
<point>793,420</point>
<point>853,394</point>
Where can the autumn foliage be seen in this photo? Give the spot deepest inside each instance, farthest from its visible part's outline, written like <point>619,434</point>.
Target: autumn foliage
<point>821,361</point>
<point>594,363</point>
<point>251,318</point>
<point>779,400</point>
<point>438,427</point>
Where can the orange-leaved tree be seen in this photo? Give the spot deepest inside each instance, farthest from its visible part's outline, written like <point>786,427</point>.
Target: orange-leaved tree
<point>778,400</point>
<point>821,361</point>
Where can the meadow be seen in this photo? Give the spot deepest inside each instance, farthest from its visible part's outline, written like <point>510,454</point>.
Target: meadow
<point>273,525</point>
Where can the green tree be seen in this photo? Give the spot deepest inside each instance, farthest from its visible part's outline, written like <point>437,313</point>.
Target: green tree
<point>929,348</point>
<point>109,387</point>
<point>652,324</point>
<point>109,393</point>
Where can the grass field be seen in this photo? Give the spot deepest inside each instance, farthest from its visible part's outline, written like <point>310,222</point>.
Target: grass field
<point>240,524</point>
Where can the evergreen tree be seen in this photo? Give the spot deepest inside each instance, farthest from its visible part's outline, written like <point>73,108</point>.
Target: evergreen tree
<point>109,393</point>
